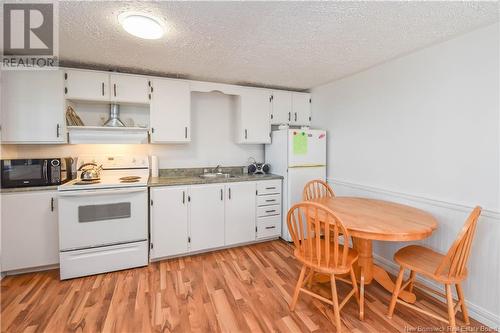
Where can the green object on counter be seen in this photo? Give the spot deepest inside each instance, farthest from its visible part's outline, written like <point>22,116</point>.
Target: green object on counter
<point>300,143</point>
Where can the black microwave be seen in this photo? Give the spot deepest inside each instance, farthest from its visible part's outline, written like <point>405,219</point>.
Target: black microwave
<point>31,172</point>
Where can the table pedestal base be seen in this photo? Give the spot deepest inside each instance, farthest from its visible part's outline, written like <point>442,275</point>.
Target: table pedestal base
<point>370,270</point>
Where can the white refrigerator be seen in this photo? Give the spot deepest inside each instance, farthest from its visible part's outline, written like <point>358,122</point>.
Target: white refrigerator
<point>299,155</point>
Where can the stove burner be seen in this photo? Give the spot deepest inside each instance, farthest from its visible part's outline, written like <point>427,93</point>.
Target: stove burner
<point>87,182</point>
<point>130,178</point>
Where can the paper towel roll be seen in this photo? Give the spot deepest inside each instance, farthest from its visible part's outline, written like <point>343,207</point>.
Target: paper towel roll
<point>154,166</point>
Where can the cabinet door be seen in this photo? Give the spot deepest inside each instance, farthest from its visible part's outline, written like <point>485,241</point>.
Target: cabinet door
<point>170,111</point>
<point>282,107</point>
<point>169,221</point>
<point>240,212</point>
<point>301,108</point>
<point>254,117</point>
<point>29,236</point>
<point>132,89</point>
<point>33,107</point>
<point>87,85</point>
<point>206,219</point>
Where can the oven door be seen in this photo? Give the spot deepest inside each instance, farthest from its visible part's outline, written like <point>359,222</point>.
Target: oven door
<point>92,218</point>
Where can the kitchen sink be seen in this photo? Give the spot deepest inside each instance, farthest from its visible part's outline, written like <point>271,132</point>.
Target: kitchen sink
<point>217,175</point>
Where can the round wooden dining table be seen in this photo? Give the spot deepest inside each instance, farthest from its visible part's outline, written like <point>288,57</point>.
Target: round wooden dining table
<point>370,219</point>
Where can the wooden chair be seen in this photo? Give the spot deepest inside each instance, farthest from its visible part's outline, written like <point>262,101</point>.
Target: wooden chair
<point>447,269</point>
<point>309,225</point>
<point>315,189</point>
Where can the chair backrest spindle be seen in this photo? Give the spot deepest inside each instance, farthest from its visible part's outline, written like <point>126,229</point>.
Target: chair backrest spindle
<point>455,261</point>
<point>316,189</point>
<point>311,226</point>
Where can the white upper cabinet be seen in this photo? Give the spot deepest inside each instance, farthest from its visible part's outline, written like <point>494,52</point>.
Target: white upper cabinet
<point>206,216</point>
<point>253,123</point>
<point>240,212</point>
<point>33,107</point>
<point>95,86</point>
<point>282,107</point>
<point>170,111</point>
<point>84,85</point>
<point>301,109</point>
<point>169,221</point>
<point>133,89</point>
<point>29,236</point>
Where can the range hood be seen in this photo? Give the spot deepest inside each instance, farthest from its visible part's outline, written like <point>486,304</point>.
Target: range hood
<point>114,117</point>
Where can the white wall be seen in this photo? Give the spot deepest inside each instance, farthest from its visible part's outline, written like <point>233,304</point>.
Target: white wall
<point>212,123</point>
<point>423,130</point>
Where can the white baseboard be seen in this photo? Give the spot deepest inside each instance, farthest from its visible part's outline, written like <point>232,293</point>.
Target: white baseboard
<point>492,219</point>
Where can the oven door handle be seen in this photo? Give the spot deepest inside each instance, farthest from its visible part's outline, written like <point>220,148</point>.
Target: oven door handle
<point>87,193</point>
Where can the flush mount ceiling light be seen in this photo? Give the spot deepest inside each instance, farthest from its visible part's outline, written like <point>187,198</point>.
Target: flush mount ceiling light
<point>141,25</point>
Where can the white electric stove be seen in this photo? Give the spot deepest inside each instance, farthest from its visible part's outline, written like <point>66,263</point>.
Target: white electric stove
<point>103,225</point>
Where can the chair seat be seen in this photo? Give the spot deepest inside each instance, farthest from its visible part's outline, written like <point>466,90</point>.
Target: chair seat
<point>331,268</point>
<point>424,261</point>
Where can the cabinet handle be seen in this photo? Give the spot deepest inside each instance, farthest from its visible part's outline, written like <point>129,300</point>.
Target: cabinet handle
<point>189,198</point>
<point>246,134</point>
<point>271,188</point>
<point>229,193</point>
<point>289,116</point>
<point>51,204</point>
<point>271,211</point>
<point>102,88</point>
<point>272,227</point>
<point>183,197</point>
<point>57,130</point>
<point>221,195</point>
<point>295,116</point>
<point>185,132</point>
<point>270,200</point>
<point>114,88</point>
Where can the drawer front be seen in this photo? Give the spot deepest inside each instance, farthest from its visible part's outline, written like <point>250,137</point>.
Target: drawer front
<point>268,210</point>
<point>270,199</point>
<point>269,187</point>
<point>103,259</point>
<point>269,226</point>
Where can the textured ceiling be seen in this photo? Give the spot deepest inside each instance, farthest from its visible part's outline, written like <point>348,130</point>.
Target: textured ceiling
<point>294,45</point>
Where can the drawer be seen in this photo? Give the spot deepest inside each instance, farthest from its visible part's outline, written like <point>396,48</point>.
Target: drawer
<point>268,210</point>
<point>103,259</point>
<point>269,187</point>
<point>270,199</point>
<point>269,226</point>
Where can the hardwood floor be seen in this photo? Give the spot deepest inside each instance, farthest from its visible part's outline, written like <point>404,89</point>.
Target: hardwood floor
<point>245,289</point>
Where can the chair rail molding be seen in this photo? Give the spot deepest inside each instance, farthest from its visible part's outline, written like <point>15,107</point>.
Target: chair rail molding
<point>484,264</point>
<point>462,207</point>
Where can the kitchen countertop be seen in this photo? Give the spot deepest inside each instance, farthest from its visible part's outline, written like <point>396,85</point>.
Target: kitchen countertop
<point>28,189</point>
<point>164,181</point>
<point>193,180</point>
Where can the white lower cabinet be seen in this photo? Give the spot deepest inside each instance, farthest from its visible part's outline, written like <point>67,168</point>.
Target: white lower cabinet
<point>169,221</point>
<point>29,230</point>
<point>206,216</point>
<point>240,212</point>
<point>268,209</point>
<point>195,218</point>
